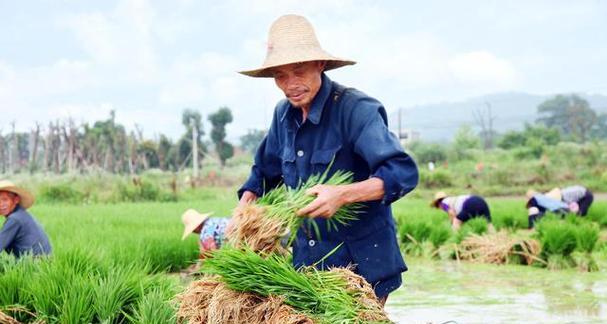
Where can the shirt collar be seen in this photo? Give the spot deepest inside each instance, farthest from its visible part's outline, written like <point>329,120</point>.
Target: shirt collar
<point>318,104</point>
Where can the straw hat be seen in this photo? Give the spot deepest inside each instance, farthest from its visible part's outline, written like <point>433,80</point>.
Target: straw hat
<point>438,196</point>
<point>291,40</point>
<point>192,219</point>
<point>27,199</point>
<point>555,194</point>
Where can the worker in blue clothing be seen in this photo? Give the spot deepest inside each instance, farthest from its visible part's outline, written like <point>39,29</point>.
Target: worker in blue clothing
<point>21,234</point>
<point>322,124</point>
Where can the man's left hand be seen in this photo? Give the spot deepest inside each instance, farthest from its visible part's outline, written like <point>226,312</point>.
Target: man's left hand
<point>328,200</point>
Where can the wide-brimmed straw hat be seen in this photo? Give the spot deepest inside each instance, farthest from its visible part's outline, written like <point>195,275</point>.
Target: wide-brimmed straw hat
<point>437,197</point>
<point>555,194</point>
<point>292,40</point>
<point>192,219</point>
<point>25,197</point>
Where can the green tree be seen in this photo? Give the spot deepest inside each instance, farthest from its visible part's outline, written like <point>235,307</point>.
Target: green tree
<point>252,139</point>
<point>571,115</point>
<point>219,120</point>
<point>190,119</point>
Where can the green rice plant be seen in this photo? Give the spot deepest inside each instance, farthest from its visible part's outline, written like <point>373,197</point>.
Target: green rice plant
<point>154,308</point>
<point>477,225</point>
<point>414,231</point>
<point>559,262</point>
<point>587,236</point>
<point>584,261</point>
<point>113,292</point>
<point>556,236</point>
<point>61,192</point>
<point>283,202</point>
<point>77,299</point>
<point>319,294</point>
<point>440,234</point>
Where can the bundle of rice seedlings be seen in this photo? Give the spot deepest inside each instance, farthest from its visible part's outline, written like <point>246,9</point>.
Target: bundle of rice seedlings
<point>244,286</point>
<point>261,225</point>
<point>210,301</point>
<point>498,248</point>
<point>6,319</point>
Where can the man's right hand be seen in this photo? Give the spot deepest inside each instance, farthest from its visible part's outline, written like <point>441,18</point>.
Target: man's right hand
<point>247,198</point>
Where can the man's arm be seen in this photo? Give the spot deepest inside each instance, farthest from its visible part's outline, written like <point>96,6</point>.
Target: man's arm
<point>330,198</point>
<point>8,233</point>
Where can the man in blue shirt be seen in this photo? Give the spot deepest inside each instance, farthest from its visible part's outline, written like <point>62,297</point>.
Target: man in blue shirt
<point>321,122</point>
<point>20,233</point>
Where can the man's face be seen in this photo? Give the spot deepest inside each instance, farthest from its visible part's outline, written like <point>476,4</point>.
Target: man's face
<point>299,81</point>
<point>8,202</point>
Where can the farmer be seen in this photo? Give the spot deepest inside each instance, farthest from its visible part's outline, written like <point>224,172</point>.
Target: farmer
<point>322,124</point>
<point>578,198</point>
<point>211,230</point>
<point>538,204</point>
<point>21,234</point>
<point>462,208</point>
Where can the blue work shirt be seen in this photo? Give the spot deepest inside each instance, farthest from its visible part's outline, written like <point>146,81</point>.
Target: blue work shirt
<point>22,234</point>
<point>349,128</point>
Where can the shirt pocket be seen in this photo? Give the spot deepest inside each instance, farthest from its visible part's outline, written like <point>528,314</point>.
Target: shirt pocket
<point>321,159</point>
<point>289,170</point>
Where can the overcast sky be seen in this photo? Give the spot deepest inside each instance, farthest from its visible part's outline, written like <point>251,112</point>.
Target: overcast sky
<point>148,60</point>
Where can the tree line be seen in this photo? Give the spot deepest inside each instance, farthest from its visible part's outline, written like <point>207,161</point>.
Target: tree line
<point>65,146</point>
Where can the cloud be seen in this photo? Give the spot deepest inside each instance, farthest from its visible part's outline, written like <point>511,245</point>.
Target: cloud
<point>482,67</point>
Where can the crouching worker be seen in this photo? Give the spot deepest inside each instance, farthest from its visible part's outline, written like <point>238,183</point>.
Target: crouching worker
<point>211,230</point>
<point>462,208</point>
<point>538,204</point>
<point>577,198</point>
<point>21,234</point>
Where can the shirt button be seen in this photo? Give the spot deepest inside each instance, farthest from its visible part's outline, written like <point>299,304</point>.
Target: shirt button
<point>311,243</point>
<point>300,153</point>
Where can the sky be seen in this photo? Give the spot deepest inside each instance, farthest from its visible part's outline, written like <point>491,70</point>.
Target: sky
<point>149,60</point>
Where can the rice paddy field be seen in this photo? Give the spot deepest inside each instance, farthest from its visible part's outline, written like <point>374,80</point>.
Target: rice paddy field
<point>120,263</point>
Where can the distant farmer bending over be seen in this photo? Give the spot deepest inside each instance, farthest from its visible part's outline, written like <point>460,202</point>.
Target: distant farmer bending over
<point>462,208</point>
<point>20,234</point>
<point>538,204</point>
<point>321,123</point>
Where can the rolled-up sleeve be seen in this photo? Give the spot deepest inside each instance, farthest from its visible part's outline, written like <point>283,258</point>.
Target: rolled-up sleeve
<point>382,151</point>
<point>267,170</point>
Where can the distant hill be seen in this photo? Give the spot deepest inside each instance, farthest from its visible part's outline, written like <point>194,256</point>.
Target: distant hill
<point>439,122</point>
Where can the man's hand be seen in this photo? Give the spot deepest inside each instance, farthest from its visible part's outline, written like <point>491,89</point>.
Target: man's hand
<point>247,198</point>
<point>328,200</point>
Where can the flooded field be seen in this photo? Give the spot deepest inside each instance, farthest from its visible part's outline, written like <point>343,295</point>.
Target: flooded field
<point>445,291</point>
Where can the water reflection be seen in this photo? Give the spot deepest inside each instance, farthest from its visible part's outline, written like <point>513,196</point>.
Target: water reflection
<point>437,292</point>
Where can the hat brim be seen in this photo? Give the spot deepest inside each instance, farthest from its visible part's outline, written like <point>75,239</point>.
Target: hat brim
<point>201,218</point>
<point>26,199</point>
<point>266,70</point>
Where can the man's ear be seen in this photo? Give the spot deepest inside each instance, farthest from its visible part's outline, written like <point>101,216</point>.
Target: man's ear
<point>321,65</point>
<point>17,199</point>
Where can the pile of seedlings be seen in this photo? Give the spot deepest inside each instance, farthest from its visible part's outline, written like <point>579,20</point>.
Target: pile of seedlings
<point>252,280</point>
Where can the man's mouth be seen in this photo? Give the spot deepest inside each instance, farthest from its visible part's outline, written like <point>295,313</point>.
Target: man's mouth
<point>296,96</point>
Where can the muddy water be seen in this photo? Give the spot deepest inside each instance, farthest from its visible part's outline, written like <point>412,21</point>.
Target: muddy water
<point>444,291</point>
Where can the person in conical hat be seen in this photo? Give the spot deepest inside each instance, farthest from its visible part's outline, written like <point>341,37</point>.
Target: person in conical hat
<point>462,208</point>
<point>321,124</point>
<point>21,233</point>
<point>211,230</point>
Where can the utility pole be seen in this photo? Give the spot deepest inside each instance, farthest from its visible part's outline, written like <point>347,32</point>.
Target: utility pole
<point>194,147</point>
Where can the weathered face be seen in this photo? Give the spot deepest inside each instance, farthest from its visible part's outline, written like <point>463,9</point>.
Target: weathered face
<point>299,81</point>
<point>8,202</point>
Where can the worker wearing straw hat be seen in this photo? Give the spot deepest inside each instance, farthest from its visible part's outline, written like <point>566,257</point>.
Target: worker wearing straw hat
<point>21,234</point>
<point>538,204</point>
<point>462,208</point>
<point>321,124</point>
<point>211,230</point>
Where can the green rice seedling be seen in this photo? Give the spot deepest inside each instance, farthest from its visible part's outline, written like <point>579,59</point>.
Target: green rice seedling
<point>584,261</point>
<point>113,292</point>
<point>76,302</point>
<point>587,236</point>
<point>283,203</point>
<point>559,262</point>
<point>477,225</point>
<point>556,236</point>
<point>154,308</point>
<point>440,234</point>
<point>320,294</point>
